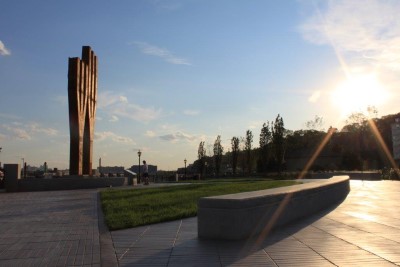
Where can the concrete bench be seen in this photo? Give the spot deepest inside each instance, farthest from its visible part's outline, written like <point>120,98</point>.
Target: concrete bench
<point>246,215</point>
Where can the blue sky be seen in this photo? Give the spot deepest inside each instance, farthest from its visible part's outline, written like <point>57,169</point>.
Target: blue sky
<point>174,73</point>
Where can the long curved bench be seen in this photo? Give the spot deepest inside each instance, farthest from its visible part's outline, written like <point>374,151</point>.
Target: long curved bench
<point>246,215</point>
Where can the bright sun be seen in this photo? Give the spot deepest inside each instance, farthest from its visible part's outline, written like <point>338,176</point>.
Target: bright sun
<point>357,93</point>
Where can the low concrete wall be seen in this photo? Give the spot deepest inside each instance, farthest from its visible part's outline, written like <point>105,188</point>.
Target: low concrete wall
<point>68,183</point>
<point>12,174</point>
<point>245,215</point>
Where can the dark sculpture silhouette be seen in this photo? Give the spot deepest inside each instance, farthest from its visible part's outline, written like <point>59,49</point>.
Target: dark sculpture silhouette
<point>82,98</point>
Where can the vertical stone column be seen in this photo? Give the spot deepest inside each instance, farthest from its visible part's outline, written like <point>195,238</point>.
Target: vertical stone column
<point>82,97</point>
<point>90,59</point>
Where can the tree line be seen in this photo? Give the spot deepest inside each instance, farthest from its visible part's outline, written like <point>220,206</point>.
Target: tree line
<point>242,153</point>
<point>357,146</point>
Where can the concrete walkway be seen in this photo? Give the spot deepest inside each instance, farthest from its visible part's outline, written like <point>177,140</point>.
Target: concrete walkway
<point>363,231</point>
<point>65,228</point>
<point>58,228</point>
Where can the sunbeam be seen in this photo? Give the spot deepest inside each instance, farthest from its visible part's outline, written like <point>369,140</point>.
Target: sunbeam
<point>267,229</point>
<point>381,142</point>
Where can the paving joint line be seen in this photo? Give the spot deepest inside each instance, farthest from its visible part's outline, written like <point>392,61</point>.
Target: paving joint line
<point>372,253</point>
<point>134,242</point>
<point>361,230</point>
<point>173,245</point>
<point>298,240</point>
<point>269,256</point>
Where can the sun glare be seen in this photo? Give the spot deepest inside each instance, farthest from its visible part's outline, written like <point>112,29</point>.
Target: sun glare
<point>357,93</point>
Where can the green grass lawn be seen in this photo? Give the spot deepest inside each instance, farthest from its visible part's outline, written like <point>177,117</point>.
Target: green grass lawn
<point>125,208</point>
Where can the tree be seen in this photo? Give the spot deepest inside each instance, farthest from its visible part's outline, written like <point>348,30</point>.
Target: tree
<point>242,156</point>
<point>351,161</point>
<point>315,124</point>
<point>218,150</point>
<point>201,153</point>
<point>302,140</point>
<point>265,139</point>
<point>359,121</point>
<point>356,122</point>
<point>247,147</point>
<point>278,140</point>
<point>235,152</point>
<point>358,125</point>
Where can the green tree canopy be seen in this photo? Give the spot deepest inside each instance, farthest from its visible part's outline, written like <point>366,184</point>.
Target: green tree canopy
<point>201,154</point>
<point>247,147</point>
<point>235,152</point>
<point>218,150</point>
<point>265,140</point>
<point>278,140</point>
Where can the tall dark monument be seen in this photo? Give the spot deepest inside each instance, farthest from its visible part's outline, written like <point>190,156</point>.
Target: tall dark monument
<point>82,98</point>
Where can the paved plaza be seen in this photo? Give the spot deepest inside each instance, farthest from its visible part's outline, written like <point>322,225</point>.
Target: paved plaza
<point>64,228</point>
<point>57,228</point>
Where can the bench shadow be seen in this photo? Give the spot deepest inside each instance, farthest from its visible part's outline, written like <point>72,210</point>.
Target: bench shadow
<point>249,248</point>
<point>189,250</point>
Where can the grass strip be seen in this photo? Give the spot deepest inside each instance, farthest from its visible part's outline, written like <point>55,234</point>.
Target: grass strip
<point>126,208</point>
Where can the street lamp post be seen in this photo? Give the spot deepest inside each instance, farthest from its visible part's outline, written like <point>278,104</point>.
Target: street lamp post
<point>139,154</point>
<point>185,168</point>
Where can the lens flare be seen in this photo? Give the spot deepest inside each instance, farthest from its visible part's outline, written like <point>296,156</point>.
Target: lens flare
<point>267,228</point>
<point>383,146</point>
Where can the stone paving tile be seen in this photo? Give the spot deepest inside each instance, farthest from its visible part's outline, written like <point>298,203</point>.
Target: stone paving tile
<point>364,230</point>
<point>58,228</point>
<point>194,261</point>
<point>239,256</point>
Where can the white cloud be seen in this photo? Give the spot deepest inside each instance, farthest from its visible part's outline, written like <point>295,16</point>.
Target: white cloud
<point>107,99</point>
<point>3,50</point>
<point>119,106</point>
<point>21,134</point>
<point>173,133</point>
<point>114,119</point>
<point>36,128</point>
<point>150,134</point>
<point>123,99</point>
<point>191,112</point>
<point>27,131</point>
<point>101,136</point>
<point>178,136</point>
<point>168,127</point>
<point>18,133</point>
<point>136,112</point>
<point>163,53</point>
<point>361,31</point>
